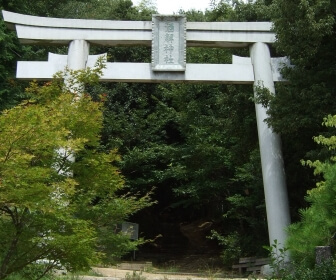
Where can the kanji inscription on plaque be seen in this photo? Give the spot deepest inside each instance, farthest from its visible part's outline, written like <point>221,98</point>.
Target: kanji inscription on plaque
<point>169,43</point>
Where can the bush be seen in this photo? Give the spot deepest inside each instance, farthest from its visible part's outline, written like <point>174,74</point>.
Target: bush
<point>32,272</point>
<point>231,248</point>
<point>324,271</point>
<point>318,222</point>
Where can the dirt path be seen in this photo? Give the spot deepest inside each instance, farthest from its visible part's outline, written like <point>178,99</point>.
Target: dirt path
<point>119,274</point>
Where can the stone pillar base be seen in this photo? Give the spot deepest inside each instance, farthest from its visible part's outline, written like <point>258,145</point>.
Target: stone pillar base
<point>322,253</point>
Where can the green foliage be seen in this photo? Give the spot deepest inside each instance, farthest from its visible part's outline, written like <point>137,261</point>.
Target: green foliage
<point>310,22</point>
<point>237,10</point>
<point>324,271</point>
<point>195,144</point>
<point>231,246</point>
<point>11,91</point>
<point>45,214</point>
<point>105,9</point>
<point>33,272</point>
<point>279,259</point>
<point>299,270</point>
<point>245,214</point>
<point>148,6</point>
<point>305,33</point>
<point>318,220</point>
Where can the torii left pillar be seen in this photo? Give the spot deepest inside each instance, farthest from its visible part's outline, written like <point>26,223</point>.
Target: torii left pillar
<point>275,189</point>
<point>78,54</point>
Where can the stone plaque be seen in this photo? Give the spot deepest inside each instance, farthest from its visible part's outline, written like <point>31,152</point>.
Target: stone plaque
<point>131,230</point>
<point>169,43</point>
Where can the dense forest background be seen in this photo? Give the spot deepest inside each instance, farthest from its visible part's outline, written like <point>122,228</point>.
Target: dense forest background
<point>195,146</point>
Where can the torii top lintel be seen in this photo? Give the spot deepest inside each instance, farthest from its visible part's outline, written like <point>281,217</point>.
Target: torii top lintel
<point>42,30</point>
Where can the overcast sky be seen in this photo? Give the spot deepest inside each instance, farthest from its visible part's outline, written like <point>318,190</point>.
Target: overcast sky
<point>171,6</point>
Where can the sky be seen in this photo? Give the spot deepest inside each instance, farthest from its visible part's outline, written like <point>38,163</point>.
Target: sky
<point>171,6</point>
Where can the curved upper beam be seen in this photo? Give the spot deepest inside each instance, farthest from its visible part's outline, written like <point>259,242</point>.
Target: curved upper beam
<point>42,30</point>
<point>19,19</point>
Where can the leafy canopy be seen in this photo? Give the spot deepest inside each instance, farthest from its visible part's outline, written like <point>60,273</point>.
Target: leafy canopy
<point>318,222</point>
<point>45,214</point>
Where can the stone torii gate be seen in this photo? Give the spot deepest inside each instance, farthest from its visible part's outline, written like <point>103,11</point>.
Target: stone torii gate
<point>168,36</point>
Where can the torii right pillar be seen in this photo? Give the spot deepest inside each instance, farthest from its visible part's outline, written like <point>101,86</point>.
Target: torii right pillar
<point>273,171</point>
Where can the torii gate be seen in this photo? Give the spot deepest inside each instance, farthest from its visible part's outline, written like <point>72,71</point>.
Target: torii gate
<point>169,65</point>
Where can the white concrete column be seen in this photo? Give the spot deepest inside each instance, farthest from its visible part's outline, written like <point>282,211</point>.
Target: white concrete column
<point>78,54</point>
<point>273,171</point>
